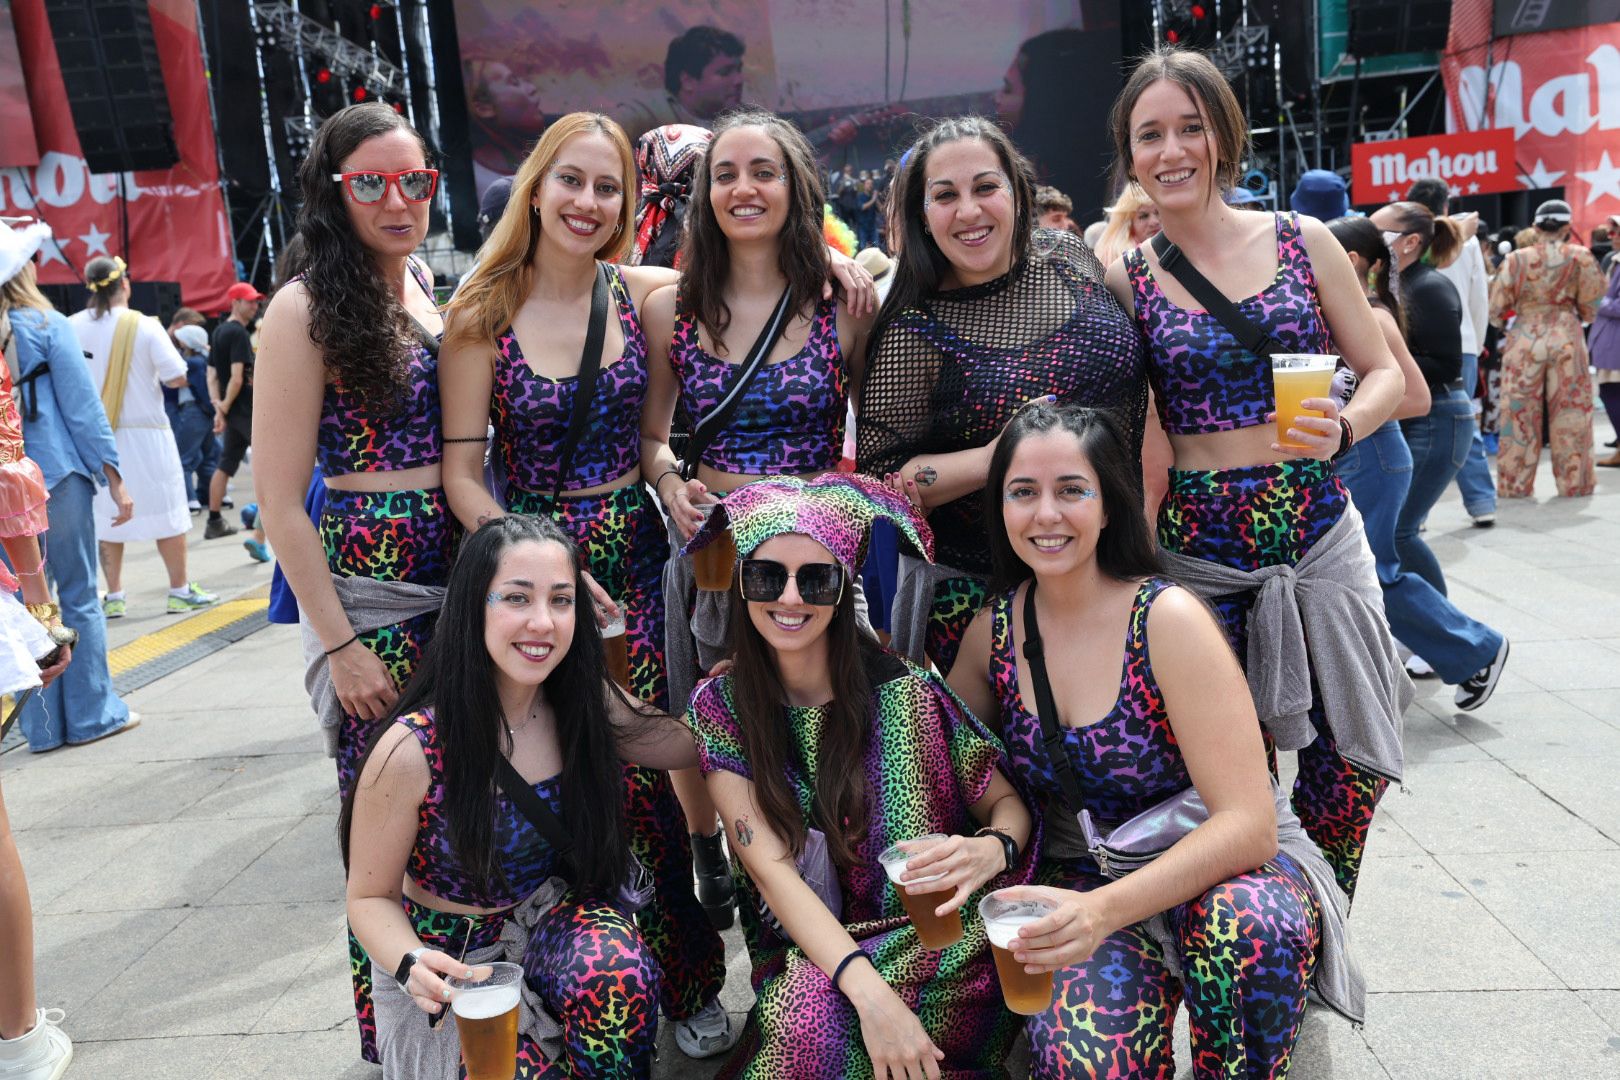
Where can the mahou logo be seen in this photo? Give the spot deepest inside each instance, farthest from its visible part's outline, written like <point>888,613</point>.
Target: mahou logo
<point>1471,163</point>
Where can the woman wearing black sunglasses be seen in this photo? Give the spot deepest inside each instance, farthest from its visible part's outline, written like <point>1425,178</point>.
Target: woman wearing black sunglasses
<point>820,750</point>
<point>347,379</point>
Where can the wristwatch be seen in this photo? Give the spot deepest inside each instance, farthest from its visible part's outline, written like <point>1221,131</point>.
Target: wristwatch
<point>1009,847</point>
<point>402,974</point>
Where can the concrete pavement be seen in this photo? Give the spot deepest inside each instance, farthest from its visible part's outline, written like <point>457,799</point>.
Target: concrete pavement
<point>188,894</point>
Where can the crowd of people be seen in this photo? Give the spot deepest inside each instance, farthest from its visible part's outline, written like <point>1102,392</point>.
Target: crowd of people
<point>613,643</point>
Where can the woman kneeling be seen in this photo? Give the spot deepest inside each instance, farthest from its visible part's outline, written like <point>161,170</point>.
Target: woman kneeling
<point>450,857</point>
<point>1148,704</point>
<point>821,751</point>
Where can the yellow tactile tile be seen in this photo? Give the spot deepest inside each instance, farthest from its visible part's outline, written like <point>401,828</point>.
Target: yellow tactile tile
<point>149,647</point>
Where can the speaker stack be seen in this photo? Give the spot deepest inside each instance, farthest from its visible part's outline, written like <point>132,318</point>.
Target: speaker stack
<point>114,83</point>
<point>1388,27</point>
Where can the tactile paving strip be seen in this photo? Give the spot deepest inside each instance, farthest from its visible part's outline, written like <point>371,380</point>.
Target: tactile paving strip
<point>163,652</point>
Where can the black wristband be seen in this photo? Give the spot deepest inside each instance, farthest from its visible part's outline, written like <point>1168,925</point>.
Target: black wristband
<point>838,972</point>
<point>667,472</point>
<point>345,645</point>
<point>1347,439</point>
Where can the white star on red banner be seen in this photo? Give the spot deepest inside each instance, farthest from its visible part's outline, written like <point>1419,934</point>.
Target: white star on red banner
<point>1540,177</point>
<point>95,241</point>
<point>1601,181</point>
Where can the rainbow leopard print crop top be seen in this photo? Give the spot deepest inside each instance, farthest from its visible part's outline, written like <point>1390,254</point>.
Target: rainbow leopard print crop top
<point>531,412</point>
<point>791,420</point>
<point>1203,380</point>
<point>525,858</point>
<point>361,436</point>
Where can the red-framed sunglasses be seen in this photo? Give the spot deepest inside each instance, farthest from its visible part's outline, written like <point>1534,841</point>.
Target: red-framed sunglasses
<point>415,185</point>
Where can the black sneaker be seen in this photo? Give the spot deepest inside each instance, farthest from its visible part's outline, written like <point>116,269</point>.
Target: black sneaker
<point>1477,689</point>
<point>218,527</point>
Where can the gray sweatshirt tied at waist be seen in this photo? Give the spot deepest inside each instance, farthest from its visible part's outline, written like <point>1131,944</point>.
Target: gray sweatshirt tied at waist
<point>1323,615</point>
<point>370,605</point>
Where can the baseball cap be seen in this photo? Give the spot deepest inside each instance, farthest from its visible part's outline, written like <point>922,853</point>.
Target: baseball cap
<point>493,203</point>
<point>194,338</point>
<point>243,290</point>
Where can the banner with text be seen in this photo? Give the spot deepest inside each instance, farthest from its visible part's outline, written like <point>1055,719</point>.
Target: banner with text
<point>1558,92</point>
<point>1471,163</point>
<point>175,217</point>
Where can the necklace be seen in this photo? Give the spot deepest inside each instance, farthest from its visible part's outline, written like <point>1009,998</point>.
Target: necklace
<point>511,732</point>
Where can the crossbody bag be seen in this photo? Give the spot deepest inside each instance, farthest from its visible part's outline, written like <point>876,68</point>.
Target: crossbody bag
<point>590,366</point>
<point>709,427</point>
<point>635,891</point>
<point>1144,837</point>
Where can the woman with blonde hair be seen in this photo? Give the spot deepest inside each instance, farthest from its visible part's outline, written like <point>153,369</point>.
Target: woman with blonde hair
<point>1132,220</point>
<point>544,341</point>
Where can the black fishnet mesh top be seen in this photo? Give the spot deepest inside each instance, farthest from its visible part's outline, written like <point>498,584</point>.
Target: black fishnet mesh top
<point>949,374</point>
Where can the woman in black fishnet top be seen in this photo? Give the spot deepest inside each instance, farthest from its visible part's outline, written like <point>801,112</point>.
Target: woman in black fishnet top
<point>987,313</point>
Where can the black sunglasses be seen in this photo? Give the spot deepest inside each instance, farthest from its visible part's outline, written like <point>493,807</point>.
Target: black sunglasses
<point>764,580</point>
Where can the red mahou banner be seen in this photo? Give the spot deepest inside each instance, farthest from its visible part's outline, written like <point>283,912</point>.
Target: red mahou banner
<point>1557,92</point>
<point>1471,163</point>
<point>178,229</point>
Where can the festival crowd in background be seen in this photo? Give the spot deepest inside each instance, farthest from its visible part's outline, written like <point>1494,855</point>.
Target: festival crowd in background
<point>882,557</point>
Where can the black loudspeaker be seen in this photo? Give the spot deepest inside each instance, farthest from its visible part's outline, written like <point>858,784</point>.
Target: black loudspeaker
<point>1387,27</point>
<point>114,83</point>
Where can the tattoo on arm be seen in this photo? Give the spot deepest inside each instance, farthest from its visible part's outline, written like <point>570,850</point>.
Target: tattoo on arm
<point>745,835</point>
<point>926,476</point>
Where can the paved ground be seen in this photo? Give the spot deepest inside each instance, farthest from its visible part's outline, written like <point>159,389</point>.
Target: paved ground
<point>188,894</point>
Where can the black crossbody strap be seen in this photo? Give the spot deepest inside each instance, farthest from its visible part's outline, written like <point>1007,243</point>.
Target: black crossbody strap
<point>706,429</point>
<point>1051,731</point>
<point>1173,261</point>
<point>532,806</point>
<point>590,365</point>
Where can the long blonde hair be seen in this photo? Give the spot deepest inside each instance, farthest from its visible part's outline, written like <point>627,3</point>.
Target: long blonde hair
<point>1116,237</point>
<point>22,291</point>
<point>486,301</point>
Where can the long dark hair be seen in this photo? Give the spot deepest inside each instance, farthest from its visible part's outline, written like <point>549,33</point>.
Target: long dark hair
<point>361,328</point>
<point>456,680</point>
<point>838,807</point>
<point>1359,236</point>
<point>922,266</point>
<point>705,257</point>
<point>1125,552</point>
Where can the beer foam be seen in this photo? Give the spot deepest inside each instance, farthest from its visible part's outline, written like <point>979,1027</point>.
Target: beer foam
<point>1002,931</point>
<point>485,1004</point>
<point>895,867</point>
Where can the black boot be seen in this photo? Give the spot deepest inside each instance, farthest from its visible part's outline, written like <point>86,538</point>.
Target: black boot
<point>715,890</point>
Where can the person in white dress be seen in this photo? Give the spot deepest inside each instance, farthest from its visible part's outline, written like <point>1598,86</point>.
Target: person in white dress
<point>146,449</point>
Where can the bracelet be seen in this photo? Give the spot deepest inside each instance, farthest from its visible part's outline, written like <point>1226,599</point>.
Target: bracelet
<point>1347,438</point>
<point>36,571</point>
<point>345,645</point>
<point>667,472</point>
<point>469,438</point>
<point>838,972</point>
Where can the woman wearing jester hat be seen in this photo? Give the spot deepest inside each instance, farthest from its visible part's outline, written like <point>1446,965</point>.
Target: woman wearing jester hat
<point>844,987</point>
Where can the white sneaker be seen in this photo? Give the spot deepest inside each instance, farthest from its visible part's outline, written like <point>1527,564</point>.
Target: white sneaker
<point>708,1033</point>
<point>1419,668</point>
<point>42,1054</point>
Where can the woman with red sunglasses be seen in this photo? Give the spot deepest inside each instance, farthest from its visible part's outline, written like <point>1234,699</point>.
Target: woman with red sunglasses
<point>347,377</point>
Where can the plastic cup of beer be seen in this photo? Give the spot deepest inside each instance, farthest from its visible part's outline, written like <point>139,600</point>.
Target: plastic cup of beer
<point>486,1011</point>
<point>617,651</point>
<point>714,564</point>
<point>934,931</point>
<point>1025,994</point>
<point>1295,377</point>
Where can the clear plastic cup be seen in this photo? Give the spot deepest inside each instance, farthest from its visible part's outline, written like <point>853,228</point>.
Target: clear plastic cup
<point>617,650</point>
<point>1295,377</point>
<point>934,931</point>
<point>1025,994</point>
<point>485,1006</point>
<point>714,563</point>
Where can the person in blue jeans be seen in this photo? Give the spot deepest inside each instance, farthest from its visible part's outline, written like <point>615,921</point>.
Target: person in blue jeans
<point>1467,272</point>
<point>65,431</point>
<point>1383,475</point>
<point>191,414</point>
